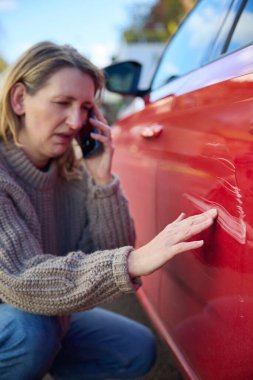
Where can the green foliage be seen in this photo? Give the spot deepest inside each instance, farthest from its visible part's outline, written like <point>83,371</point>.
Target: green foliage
<point>157,23</point>
<point>165,11</point>
<point>148,35</point>
<point>3,64</point>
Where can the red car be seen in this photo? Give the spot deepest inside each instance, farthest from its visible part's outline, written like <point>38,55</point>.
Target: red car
<point>190,148</point>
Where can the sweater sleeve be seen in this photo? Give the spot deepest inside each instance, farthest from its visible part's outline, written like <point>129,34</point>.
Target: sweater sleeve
<point>42,283</point>
<point>111,225</point>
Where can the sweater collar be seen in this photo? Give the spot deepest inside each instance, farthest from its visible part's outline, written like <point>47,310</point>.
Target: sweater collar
<point>25,170</point>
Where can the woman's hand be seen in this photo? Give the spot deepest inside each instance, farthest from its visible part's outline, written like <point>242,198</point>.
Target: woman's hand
<point>169,242</point>
<point>100,165</point>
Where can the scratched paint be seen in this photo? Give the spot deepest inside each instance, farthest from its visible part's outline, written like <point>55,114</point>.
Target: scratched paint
<point>235,227</point>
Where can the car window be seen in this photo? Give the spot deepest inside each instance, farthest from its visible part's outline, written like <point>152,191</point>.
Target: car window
<point>188,48</point>
<point>243,33</point>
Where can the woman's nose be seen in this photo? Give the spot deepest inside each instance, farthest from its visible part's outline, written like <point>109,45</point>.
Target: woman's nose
<point>75,120</point>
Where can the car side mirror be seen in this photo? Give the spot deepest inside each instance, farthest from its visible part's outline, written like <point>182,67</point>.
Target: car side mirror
<point>123,78</point>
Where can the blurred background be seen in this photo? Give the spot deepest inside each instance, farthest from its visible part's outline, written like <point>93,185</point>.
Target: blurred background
<point>104,31</point>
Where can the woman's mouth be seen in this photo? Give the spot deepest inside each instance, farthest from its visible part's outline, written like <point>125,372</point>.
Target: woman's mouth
<point>64,137</point>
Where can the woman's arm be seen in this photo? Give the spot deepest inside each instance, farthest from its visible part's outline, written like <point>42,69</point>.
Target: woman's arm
<point>110,222</point>
<point>40,282</point>
<point>111,225</point>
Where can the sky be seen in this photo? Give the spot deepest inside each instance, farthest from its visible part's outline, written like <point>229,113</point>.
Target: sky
<point>94,27</point>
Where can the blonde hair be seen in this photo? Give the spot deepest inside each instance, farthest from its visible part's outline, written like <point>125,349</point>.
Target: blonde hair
<point>33,70</point>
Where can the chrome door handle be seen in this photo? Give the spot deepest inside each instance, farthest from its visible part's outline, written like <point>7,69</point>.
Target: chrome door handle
<point>151,131</point>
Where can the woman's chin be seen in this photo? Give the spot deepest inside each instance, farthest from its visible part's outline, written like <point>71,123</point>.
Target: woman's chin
<point>59,150</point>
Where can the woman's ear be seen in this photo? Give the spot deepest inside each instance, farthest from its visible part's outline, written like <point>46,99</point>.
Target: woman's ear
<point>17,98</point>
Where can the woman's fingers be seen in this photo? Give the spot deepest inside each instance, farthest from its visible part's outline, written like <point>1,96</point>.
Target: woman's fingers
<point>184,229</point>
<point>103,135</point>
<point>188,232</point>
<point>180,217</point>
<point>102,138</point>
<point>99,114</point>
<point>101,125</point>
<point>212,213</point>
<point>198,219</point>
<point>100,122</point>
<point>185,246</point>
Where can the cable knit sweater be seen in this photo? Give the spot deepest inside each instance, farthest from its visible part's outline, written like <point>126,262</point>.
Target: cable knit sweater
<point>63,244</point>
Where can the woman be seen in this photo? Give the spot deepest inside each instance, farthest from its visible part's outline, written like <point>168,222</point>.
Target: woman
<point>66,234</point>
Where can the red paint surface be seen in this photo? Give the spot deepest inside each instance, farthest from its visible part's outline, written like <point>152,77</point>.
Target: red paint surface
<point>202,302</point>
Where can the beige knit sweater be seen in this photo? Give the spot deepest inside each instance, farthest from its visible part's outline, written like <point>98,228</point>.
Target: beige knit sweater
<point>48,229</point>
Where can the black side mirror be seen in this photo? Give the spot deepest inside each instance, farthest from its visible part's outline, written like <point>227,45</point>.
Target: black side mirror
<point>123,78</point>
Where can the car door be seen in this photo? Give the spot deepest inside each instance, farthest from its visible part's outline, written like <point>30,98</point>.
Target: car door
<point>149,152</point>
<point>206,297</point>
<point>189,149</point>
<point>132,161</point>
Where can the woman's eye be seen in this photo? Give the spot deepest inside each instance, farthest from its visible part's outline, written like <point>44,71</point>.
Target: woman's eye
<point>62,103</point>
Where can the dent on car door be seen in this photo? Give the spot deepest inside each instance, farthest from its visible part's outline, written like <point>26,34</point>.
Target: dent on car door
<point>207,162</point>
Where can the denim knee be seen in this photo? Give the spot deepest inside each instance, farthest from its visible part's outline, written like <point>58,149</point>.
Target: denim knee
<point>145,349</point>
<point>104,345</point>
<point>140,354</point>
<point>28,344</point>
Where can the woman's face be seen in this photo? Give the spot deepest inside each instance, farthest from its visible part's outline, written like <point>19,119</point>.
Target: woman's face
<point>52,117</point>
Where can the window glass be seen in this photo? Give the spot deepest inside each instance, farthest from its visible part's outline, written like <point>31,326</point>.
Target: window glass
<point>243,33</point>
<point>188,48</point>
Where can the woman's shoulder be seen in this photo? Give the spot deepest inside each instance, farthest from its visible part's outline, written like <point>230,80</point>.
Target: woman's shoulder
<point>8,183</point>
<point>5,173</point>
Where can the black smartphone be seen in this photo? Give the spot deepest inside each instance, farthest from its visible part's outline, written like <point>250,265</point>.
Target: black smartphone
<point>89,146</point>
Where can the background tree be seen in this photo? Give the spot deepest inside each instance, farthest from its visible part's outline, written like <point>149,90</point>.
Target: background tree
<point>3,64</point>
<point>158,22</point>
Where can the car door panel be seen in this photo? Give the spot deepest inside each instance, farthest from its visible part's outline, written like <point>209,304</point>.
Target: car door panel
<point>204,294</point>
<point>191,149</point>
<point>137,172</point>
<point>194,164</point>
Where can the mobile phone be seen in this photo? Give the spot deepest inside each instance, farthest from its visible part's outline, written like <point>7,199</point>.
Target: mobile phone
<point>89,146</point>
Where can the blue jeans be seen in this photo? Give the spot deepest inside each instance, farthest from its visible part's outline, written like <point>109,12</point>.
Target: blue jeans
<point>98,344</point>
